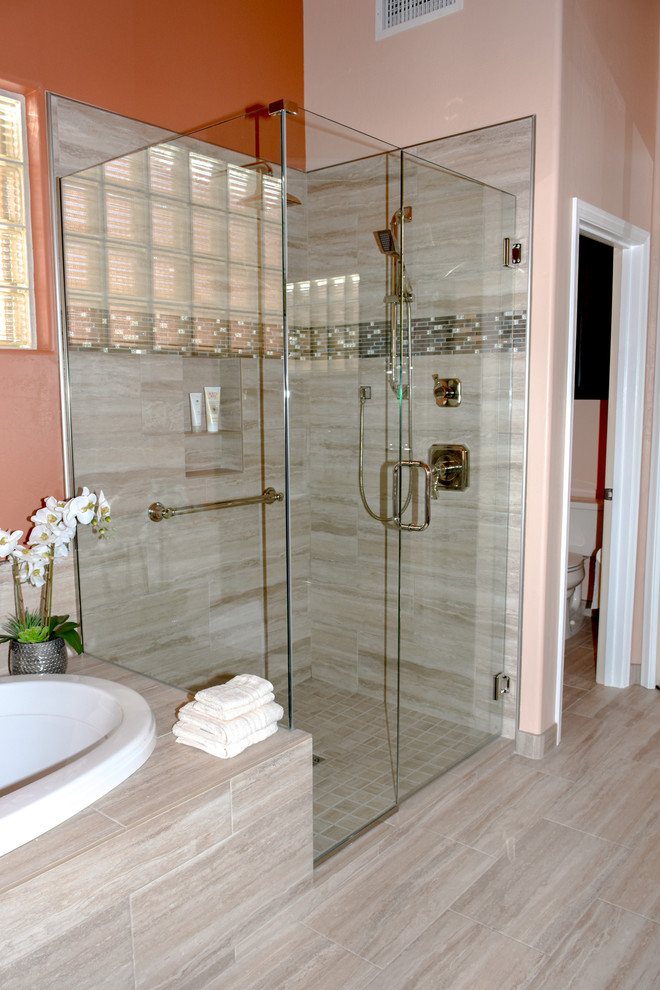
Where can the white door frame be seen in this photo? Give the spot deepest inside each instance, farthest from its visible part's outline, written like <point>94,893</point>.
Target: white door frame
<point>651,628</point>
<point>635,253</point>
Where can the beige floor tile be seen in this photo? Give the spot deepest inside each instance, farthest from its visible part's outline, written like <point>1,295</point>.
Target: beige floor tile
<point>537,892</point>
<point>485,759</point>
<point>579,669</point>
<point>635,884</point>
<point>607,949</point>
<point>387,905</point>
<point>455,953</point>
<point>618,803</point>
<point>571,695</point>
<point>297,958</point>
<point>626,707</point>
<point>641,743</point>
<point>585,743</point>
<point>478,816</point>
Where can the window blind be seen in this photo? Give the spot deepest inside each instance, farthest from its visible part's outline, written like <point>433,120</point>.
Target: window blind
<point>16,307</point>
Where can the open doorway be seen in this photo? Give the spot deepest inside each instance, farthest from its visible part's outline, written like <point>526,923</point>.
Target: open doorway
<point>625,417</point>
<point>593,345</point>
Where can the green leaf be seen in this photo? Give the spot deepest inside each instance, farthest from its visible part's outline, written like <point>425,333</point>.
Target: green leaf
<point>35,634</point>
<point>70,636</point>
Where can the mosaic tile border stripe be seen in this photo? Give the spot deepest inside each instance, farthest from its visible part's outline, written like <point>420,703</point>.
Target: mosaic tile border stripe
<point>137,333</point>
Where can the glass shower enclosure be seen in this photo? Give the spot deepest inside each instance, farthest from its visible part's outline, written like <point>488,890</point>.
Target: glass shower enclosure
<point>342,530</point>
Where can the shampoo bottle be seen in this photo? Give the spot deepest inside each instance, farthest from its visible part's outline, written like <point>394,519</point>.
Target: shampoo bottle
<point>212,403</point>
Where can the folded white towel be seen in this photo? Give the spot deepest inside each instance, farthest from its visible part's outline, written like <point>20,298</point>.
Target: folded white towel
<point>241,694</point>
<point>190,735</point>
<point>228,731</point>
<point>224,712</point>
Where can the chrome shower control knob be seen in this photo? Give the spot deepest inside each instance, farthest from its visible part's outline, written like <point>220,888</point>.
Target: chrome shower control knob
<point>447,391</point>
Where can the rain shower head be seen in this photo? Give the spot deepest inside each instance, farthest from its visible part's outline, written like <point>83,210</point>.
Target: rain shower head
<point>386,241</point>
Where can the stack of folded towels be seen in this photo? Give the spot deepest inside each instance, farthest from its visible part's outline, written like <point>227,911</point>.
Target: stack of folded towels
<point>226,718</point>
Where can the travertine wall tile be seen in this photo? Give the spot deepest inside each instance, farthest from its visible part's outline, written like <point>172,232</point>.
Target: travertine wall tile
<point>244,878</point>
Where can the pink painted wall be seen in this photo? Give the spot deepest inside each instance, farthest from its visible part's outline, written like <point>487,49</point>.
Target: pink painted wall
<point>588,70</point>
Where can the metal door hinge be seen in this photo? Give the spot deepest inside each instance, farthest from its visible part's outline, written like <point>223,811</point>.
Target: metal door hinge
<point>607,494</point>
<point>501,685</point>
<point>511,253</point>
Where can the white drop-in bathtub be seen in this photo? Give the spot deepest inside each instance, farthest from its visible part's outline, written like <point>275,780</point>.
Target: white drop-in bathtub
<point>65,741</point>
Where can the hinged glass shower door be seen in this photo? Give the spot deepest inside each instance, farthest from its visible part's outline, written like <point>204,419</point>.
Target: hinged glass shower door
<point>395,276</point>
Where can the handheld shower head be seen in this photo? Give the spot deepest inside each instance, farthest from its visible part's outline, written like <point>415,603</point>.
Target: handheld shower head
<point>388,240</point>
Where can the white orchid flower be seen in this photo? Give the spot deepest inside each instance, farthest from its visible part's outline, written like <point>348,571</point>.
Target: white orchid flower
<point>55,526</point>
<point>60,549</point>
<point>32,563</point>
<point>42,534</point>
<point>48,516</point>
<point>58,535</point>
<point>55,505</point>
<point>80,508</point>
<point>9,541</point>
<point>101,516</point>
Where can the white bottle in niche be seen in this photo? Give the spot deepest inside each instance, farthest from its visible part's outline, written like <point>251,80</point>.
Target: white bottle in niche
<point>212,403</point>
<point>196,412</point>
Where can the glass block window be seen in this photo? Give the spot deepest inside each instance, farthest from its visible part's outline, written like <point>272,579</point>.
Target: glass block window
<point>16,298</point>
<point>171,249</point>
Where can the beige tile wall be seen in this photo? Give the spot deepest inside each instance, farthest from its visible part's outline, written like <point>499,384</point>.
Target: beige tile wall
<point>198,596</point>
<point>454,575</point>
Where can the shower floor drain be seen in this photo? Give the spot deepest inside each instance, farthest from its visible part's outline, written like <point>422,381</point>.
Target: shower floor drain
<point>317,759</point>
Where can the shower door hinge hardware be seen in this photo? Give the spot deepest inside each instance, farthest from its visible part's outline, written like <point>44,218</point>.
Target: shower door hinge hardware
<point>512,253</point>
<point>607,494</point>
<point>365,392</point>
<point>501,685</point>
<point>447,391</point>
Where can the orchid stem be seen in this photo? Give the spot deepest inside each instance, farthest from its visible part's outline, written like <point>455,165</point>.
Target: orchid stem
<point>19,604</point>
<point>46,594</point>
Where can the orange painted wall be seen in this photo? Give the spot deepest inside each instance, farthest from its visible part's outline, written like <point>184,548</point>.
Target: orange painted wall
<point>177,65</point>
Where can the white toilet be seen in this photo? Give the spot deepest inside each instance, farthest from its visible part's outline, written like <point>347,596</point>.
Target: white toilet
<point>576,574</point>
<point>583,578</point>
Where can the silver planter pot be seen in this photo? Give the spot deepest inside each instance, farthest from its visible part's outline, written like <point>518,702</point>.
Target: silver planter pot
<point>38,658</point>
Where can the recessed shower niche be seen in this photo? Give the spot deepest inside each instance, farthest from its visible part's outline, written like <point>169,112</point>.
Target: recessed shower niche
<point>245,257</point>
<point>209,452</point>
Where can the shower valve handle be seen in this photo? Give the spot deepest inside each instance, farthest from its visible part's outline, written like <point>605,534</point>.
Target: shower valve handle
<point>447,391</point>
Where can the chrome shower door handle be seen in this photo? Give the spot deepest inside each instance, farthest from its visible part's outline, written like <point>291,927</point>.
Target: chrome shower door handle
<point>412,527</point>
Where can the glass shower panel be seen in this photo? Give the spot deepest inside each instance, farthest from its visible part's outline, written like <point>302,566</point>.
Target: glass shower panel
<point>345,563</point>
<point>340,351</point>
<point>453,574</point>
<point>173,283</point>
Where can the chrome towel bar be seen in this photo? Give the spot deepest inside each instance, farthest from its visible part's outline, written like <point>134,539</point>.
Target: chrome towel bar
<point>158,511</point>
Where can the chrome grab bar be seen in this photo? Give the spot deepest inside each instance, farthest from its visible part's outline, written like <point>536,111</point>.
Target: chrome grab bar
<point>410,527</point>
<point>158,511</point>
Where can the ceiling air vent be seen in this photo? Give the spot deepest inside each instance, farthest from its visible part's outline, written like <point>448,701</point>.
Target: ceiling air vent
<point>399,15</point>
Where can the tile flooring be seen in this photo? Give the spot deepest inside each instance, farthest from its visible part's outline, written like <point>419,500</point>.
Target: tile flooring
<point>355,738</point>
<point>504,873</point>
